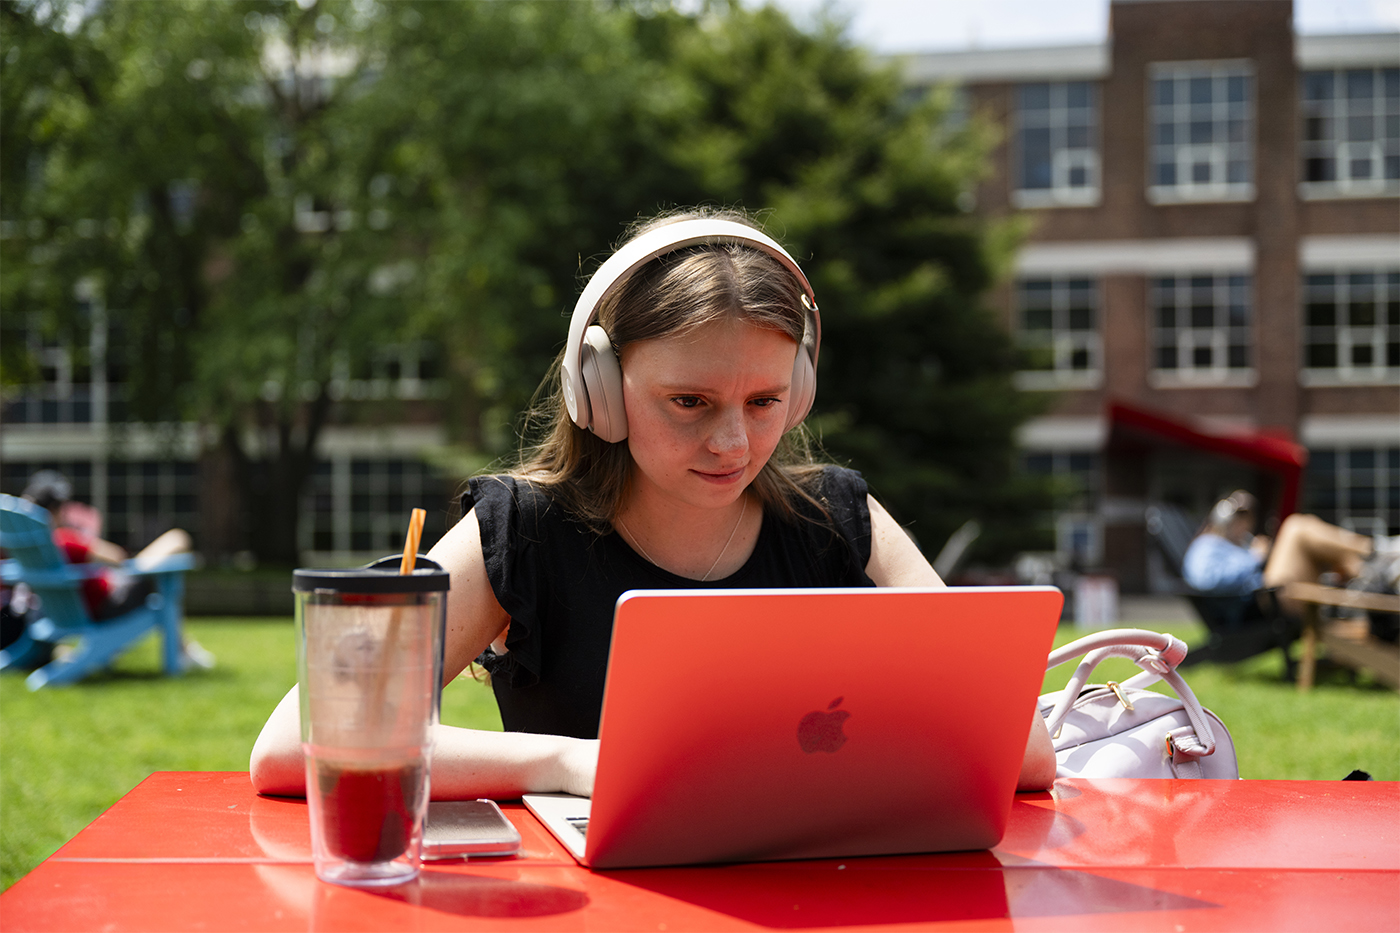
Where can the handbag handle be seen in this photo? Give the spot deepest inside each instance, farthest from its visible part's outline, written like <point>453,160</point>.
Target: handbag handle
<point>1171,649</point>
<point>1157,654</point>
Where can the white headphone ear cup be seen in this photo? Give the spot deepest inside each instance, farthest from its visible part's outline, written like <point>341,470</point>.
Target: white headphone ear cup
<point>804,389</point>
<point>602,381</point>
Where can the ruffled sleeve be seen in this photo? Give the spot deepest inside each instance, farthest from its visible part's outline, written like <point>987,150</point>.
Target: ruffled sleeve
<point>511,514</point>
<point>846,497</point>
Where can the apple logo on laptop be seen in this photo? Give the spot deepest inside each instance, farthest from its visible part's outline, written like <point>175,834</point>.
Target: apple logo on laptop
<point>820,730</point>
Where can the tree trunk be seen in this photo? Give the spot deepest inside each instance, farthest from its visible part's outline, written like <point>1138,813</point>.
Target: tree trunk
<point>223,500</point>
<point>281,479</point>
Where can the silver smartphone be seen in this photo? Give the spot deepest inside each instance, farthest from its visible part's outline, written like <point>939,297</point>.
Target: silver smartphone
<point>461,828</point>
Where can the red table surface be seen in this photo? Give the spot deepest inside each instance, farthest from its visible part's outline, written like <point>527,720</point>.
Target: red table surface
<point>201,851</point>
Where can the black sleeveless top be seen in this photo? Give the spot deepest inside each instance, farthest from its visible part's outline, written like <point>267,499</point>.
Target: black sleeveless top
<point>560,582</point>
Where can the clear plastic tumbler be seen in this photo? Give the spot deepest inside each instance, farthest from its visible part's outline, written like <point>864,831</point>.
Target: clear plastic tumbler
<point>369,662</point>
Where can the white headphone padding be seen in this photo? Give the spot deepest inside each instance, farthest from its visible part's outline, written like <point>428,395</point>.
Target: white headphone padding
<point>603,377</point>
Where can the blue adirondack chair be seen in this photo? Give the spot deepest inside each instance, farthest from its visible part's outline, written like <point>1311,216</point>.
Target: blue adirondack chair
<point>35,560</point>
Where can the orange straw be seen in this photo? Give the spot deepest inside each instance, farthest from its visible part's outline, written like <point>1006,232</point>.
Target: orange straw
<point>391,637</point>
<point>410,544</point>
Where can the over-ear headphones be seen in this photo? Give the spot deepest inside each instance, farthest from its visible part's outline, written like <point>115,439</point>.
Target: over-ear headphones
<point>1227,508</point>
<point>1224,510</point>
<point>591,376</point>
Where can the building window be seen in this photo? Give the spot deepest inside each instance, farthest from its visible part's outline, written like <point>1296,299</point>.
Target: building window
<point>1355,487</point>
<point>1057,144</point>
<point>138,500</point>
<point>1200,333</point>
<point>1078,529</point>
<point>15,476</point>
<point>410,370</point>
<point>1351,132</point>
<point>362,504</point>
<point>1351,327</point>
<point>55,384</point>
<point>1057,331</point>
<point>1202,132</point>
<point>145,498</point>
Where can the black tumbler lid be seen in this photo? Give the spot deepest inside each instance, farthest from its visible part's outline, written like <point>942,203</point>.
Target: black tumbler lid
<point>379,576</point>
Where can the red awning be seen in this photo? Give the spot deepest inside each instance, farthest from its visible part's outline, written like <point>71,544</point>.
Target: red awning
<point>1276,453</point>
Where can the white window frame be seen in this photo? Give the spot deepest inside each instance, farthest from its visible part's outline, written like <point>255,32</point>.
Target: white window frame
<point>1081,520</point>
<point>373,484</point>
<point>1185,155</point>
<point>1064,341</point>
<point>1064,159</point>
<point>1381,518</point>
<point>1347,336</point>
<point>410,384</point>
<point>1187,338</point>
<point>1337,112</point>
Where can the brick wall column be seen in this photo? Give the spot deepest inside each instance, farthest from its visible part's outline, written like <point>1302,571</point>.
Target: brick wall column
<point>1277,325</point>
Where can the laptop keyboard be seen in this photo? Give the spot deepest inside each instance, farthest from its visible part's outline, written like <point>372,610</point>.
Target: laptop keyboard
<point>579,823</point>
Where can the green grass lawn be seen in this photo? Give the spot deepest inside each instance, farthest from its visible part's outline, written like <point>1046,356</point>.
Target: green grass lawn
<point>68,754</point>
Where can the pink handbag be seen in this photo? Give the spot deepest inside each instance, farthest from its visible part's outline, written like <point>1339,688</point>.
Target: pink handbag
<point>1123,730</point>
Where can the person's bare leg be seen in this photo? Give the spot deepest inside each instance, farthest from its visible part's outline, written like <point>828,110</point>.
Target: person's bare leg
<point>174,541</point>
<point>1307,547</point>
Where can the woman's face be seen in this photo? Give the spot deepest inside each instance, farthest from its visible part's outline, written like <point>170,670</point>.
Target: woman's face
<point>1239,527</point>
<point>705,411</point>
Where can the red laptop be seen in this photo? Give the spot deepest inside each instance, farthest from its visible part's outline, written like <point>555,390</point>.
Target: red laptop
<point>744,725</point>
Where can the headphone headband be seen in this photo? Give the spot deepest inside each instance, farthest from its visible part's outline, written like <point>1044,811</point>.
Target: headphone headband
<point>636,253</point>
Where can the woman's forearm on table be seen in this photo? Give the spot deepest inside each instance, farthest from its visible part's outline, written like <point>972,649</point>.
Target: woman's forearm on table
<point>467,763</point>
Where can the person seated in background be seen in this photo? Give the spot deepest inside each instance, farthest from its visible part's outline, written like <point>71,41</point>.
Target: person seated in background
<point>77,529</point>
<point>1228,559</point>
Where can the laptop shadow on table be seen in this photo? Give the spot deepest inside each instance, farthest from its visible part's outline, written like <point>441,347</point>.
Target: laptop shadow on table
<point>477,896</point>
<point>957,887</point>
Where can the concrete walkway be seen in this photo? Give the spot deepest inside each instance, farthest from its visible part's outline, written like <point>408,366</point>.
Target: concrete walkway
<point>1138,610</point>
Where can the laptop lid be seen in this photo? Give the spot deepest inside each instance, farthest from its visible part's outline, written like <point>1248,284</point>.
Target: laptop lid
<point>744,725</point>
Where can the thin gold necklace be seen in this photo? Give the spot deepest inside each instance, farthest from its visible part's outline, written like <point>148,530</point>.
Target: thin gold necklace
<point>635,540</point>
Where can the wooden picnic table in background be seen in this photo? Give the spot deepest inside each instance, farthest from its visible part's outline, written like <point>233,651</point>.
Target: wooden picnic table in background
<point>1353,648</point>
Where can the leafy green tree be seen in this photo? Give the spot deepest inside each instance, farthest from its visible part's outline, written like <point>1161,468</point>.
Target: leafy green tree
<point>162,152</point>
<point>269,192</point>
<point>872,184</point>
<point>737,107</point>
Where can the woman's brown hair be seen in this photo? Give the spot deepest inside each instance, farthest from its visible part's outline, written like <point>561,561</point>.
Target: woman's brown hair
<point>672,295</point>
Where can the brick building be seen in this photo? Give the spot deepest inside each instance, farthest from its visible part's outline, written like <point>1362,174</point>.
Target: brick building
<point>1212,272</point>
<point>1213,263</point>
<point>371,468</point>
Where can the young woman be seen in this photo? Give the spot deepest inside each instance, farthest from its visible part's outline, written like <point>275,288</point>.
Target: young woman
<point>1227,558</point>
<point>668,464</point>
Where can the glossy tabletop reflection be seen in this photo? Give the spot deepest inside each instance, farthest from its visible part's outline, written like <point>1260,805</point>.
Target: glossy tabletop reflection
<point>201,851</point>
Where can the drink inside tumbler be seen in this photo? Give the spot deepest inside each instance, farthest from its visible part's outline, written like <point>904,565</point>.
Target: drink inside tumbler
<point>369,811</point>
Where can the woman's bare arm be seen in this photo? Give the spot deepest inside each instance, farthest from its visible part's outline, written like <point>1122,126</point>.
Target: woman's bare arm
<point>1038,767</point>
<point>466,762</point>
<point>895,560</point>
